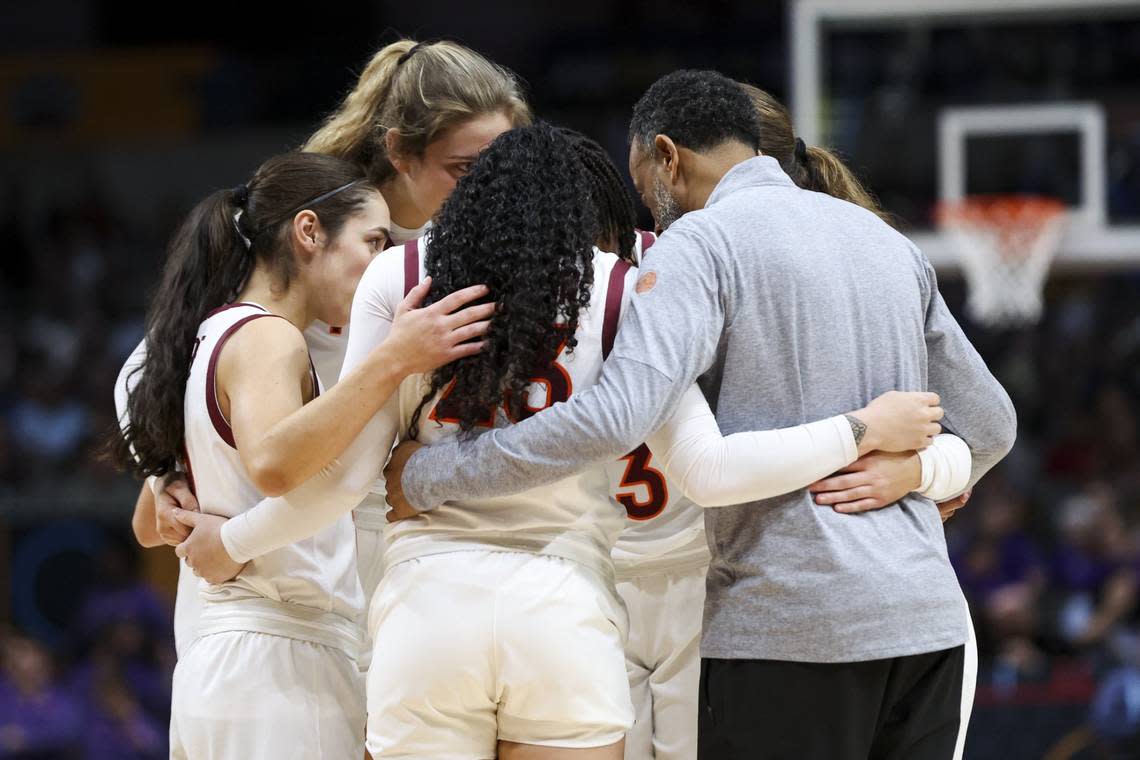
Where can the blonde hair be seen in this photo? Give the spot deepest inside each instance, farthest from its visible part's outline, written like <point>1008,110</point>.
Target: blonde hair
<point>816,168</point>
<point>420,90</point>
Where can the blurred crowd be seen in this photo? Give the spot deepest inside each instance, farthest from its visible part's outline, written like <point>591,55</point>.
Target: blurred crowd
<point>103,691</point>
<point>73,283</point>
<point>1048,553</point>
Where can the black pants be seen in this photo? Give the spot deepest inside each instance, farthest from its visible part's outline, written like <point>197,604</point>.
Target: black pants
<point>904,708</point>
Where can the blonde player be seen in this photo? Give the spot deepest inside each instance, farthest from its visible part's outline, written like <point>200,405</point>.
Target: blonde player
<point>416,120</point>
<point>225,389</point>
<point>497,628</point>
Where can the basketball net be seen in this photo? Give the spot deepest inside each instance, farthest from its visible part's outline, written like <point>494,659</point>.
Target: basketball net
<point>1005,244</point>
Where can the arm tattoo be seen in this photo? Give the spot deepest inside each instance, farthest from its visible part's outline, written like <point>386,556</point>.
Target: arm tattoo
<point>858,427</point>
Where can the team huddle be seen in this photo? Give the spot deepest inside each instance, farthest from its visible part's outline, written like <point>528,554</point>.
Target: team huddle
<point>461,464</point>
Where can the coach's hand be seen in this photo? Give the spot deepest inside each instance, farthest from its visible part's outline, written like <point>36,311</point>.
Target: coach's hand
<point>174,494</point>
<point>948,508</point>
<point>393,474</point>
<point>203,550</point>
<point>870,482</point>
<point>897,421</point>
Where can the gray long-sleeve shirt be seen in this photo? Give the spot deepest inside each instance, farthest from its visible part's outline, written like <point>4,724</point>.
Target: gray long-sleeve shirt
<point>789,306</point>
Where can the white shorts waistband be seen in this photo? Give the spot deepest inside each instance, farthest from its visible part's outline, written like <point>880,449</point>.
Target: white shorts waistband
<point>408,548</point>
<point>369,518</point>
<point>281,619</point>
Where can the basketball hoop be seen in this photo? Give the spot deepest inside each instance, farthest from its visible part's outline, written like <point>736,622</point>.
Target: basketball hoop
<point>1005,244</point>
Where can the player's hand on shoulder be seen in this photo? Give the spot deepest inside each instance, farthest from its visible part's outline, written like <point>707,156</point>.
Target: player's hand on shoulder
<point>174,494</point>
<point>393,474</point>
<point>426,337</point>
<point>203,550</point>
<point>872,482</point>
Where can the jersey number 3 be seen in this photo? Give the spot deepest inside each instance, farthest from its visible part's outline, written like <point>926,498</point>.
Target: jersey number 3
<point>638,472</point>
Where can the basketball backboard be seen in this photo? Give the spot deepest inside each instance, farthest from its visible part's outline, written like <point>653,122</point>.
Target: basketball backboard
<point>931,100</point>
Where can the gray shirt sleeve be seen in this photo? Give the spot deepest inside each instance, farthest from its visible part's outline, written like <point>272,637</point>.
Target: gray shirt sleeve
<point>667,339</point>
<point>978,410</point>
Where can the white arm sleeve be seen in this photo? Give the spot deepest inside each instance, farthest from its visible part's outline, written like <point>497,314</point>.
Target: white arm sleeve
<point>714,470</point>
<point>339,487</point>
<point>946,466</point>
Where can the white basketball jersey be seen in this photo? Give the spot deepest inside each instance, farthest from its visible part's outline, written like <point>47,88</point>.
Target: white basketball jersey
<point>318,572</point>
<point>574,518</point>
<point>327,345</point>
<point>370,513</point>
<point>664,528</point>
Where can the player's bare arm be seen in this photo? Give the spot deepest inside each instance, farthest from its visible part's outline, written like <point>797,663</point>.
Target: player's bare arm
<point>143,519</point>
<point>287,441</point>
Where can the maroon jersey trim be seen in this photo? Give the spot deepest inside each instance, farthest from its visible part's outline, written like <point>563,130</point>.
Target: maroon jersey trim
<point>221,424</point>
<point>647,240</point>
<point>313,375</point>
<point>189,468</point>
<point>233,305</point>
<point>411,266</point>
<point>614,293</point>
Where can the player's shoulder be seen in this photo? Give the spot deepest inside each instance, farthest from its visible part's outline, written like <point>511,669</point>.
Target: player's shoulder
<point>389,260</point>
<point>643,240</point>
<point>259,348</point>
<point>614,280</point>
<point>391,270</point>
<point>609,266</point>
<point>268,332</point>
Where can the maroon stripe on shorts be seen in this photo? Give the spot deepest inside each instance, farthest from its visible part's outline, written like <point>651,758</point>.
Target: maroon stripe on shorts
<point>612,317</point>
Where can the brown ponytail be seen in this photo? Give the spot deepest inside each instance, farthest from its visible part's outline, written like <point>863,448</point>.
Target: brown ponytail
<point>812,168</point>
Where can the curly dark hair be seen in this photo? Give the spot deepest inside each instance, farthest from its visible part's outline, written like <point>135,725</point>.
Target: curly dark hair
<point>522,223</point>
<point>696,109</point>
<point>616,214</point>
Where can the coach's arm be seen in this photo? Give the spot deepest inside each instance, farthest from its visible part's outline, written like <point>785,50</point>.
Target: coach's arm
<point>667,339</point>
<point>977,408</point>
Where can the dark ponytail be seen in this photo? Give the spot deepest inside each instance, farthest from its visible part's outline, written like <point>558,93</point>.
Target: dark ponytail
<point>209,261</point>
